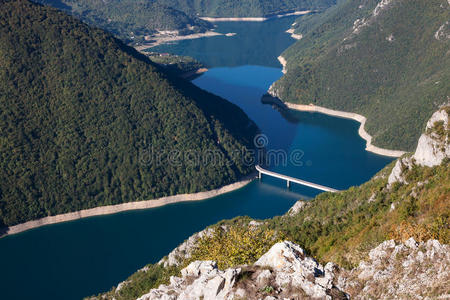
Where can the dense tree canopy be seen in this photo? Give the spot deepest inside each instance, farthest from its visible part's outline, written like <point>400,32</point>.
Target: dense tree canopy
<point>245,8</point>
<point>391,66</point>
<point>131,20</point>
<point>87,121</point>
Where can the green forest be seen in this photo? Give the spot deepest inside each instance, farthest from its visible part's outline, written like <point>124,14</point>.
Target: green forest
<point>391,67</point>
<point>175,64</point>
<point>246,8</point>
<point>132,20</point>
<point>87,121</point>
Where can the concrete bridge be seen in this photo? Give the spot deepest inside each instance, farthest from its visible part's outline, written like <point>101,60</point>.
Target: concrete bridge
<point>292,179</point>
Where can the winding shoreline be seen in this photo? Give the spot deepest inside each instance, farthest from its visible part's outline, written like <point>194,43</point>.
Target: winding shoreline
<point>347,115</point>
<point>291,31</point>
<point>163,39</point>
<point>137,205</point>
<point>194,73</point>
<point>255,19</point>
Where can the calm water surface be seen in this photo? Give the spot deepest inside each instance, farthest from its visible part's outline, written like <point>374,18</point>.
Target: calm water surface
<point>85,257</point>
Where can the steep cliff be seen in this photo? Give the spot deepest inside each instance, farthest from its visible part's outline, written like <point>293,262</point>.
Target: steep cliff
<point>86,121</point>
<point>433,147</point>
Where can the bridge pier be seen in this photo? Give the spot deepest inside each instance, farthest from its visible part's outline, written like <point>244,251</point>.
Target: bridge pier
<point>289,179</point>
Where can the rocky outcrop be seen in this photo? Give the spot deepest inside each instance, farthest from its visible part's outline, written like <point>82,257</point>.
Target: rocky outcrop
<point>392,271</point>
<point>358,24</point>
<point>297,207</point>
<point>284,271</point>
<point>433,147</point>
<point>291,267</point>
<point>184,251</point>
<point>199,280</point>
<point>398,171</point>
<point>407,270</point>
<point>443,33</point>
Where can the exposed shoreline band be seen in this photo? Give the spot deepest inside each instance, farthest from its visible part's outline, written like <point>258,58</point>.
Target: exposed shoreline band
<point>163,39</point>
<point>347,115</point>
<point>159,40</point>
<point>137,205</point>
<point>255,19</point>
<point>283,62</point>
<point>295,36</point>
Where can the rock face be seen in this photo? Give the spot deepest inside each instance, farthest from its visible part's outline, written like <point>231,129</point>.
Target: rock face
<point>407,270</point>
<point>199,280</point>
<point>284,271</point>
<point>293,268</point>
<point>433,147</point>
<point>392,271</point>
<point>184,250</point>
<point>298,206</point>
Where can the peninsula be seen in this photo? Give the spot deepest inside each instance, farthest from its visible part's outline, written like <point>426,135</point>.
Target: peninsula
<point>254,19</point>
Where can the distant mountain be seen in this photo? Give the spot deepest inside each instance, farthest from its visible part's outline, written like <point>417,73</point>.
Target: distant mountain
<point>246,8</point>
<point>132,20</point>
<point>387,60</point>
<point>87,121</point>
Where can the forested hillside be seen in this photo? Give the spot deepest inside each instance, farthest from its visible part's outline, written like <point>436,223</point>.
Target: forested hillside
<point>246,8</point>
<point>86,121</point>
<point>387,60</point>
<point>132,20</point>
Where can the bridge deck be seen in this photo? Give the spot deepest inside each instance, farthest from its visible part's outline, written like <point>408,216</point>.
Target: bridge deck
<point>296,180</point>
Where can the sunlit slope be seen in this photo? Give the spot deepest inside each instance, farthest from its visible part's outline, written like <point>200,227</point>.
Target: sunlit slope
<point>386,60</point>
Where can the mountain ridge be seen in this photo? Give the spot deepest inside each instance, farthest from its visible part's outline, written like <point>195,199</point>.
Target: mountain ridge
<point>88,121</point>
<point>380,59</point>
<point>141,21</point>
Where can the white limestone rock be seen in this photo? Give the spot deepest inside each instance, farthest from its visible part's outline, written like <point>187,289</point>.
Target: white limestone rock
<point>431,149</point>
<point>381,6</point>
<point>404,269</point>
<point>288,267</point>
<point>121,286</point>
<point>198,268</point>
<point>254,223</point>
<point>401,269</point>
<point>443,33</point>
<point>298,206</point>
<point>184,250</point>
<point>293,267</point>
<point>199,280</point>
<point>263,278</point>
<point>397,172</point>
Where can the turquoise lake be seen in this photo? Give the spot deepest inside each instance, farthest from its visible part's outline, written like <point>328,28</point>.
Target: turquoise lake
<point>80,258</point>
